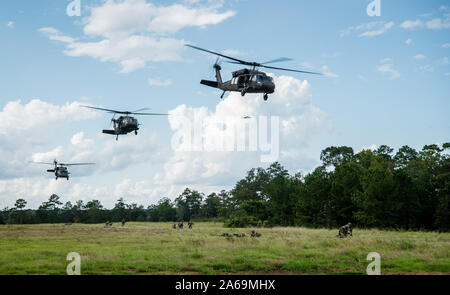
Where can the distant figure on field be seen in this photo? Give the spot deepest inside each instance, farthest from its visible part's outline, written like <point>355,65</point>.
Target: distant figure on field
<point>108,224</point>
<point>174,226</point>
<point>345,230</point>
<point>255,234</point>
<point>123,222</point>
<point>180,225</point>
<point>190,224</point>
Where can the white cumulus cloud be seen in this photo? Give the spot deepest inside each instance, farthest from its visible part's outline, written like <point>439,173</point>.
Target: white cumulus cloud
<point>210,152</point>
<point>133,33</point>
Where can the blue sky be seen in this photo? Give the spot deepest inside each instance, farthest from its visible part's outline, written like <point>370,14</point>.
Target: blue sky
<point>386,82</point>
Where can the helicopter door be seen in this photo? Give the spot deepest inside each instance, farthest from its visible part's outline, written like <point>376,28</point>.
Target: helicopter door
<point>241,81</point>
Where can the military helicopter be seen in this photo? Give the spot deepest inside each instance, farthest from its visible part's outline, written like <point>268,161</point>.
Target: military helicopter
<point>246,80</point>
<point>124,124</point>
<point>60,169</point>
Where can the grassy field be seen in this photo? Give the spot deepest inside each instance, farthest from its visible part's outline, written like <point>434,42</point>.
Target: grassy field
<point>156,248</point>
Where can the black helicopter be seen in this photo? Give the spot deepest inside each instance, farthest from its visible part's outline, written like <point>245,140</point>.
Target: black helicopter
<point>60,169</point>
<point>246,80</point>
<point>124,124</point>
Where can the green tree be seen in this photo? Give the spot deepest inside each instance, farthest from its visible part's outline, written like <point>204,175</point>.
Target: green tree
<point>376,207</point>
<point>188,205</point>
<point>345,186</point>
<point>119,211</point>
<point>442,215</point>
<point>17,214</point>
<point>94,212</point>
<point>312,203</point>
<point>279,193</point>
<point>251,187</point>
<point>211,206</point>
<point>336,156</point>
<point>405,155</point>
<point>163,211</point>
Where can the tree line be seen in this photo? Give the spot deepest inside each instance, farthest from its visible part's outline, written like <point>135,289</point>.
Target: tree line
<point>407,190</point>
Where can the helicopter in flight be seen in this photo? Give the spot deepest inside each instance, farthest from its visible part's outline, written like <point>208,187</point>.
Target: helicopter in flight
<point>246,80</point>
<point>60,169</point>
<point>124,124</point>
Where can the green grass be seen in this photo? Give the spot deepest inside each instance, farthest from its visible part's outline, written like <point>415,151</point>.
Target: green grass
<point>156,248</point>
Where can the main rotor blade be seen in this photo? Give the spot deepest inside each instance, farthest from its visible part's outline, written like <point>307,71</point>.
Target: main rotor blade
<point>76,164</point>
<point>41,163</point>
<point>281,59</point>
<point>107,110</point>
<point>144,109</point>
<point>290,70</point>
<point>149,114</point>
<point>219,54</point>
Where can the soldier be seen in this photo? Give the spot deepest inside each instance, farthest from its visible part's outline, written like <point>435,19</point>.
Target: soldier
<point>180,225</point>
<point>190,224</point>
<point>345,230</point>
<point>255,234</point>
<point>123,222</point>
<point>174,226</point>
<point>350,229</point>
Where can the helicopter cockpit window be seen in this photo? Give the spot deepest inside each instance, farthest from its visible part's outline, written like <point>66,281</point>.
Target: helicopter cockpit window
<point>262,78</point>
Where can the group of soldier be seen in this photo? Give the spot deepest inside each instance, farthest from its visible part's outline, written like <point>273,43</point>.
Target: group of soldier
<point>109,224</point>
<point>180,225</point>
<point>254,234</point>
<point>344,231</point>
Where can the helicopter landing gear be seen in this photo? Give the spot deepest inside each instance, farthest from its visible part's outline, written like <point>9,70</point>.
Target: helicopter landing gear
<point>222,95</point>
<point>117,137</point>
<point>135,132</point>
<point>56,177</point>
<point>266,96</point>
<point>67,177</point>
<point>243,92</point>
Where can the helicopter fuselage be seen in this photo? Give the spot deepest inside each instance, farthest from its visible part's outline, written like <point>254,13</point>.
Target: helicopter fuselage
<point>60,172</point>
<point>123,125</point>
<point>244,81</point>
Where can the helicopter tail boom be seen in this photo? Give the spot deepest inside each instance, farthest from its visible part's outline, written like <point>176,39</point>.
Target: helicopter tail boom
<point>112,132</point>
<point>214,84</point>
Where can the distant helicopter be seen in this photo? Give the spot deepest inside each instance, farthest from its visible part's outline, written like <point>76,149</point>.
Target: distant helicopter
<point>246,80</point>
<point>124,124</point>
<point>60,169</point>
